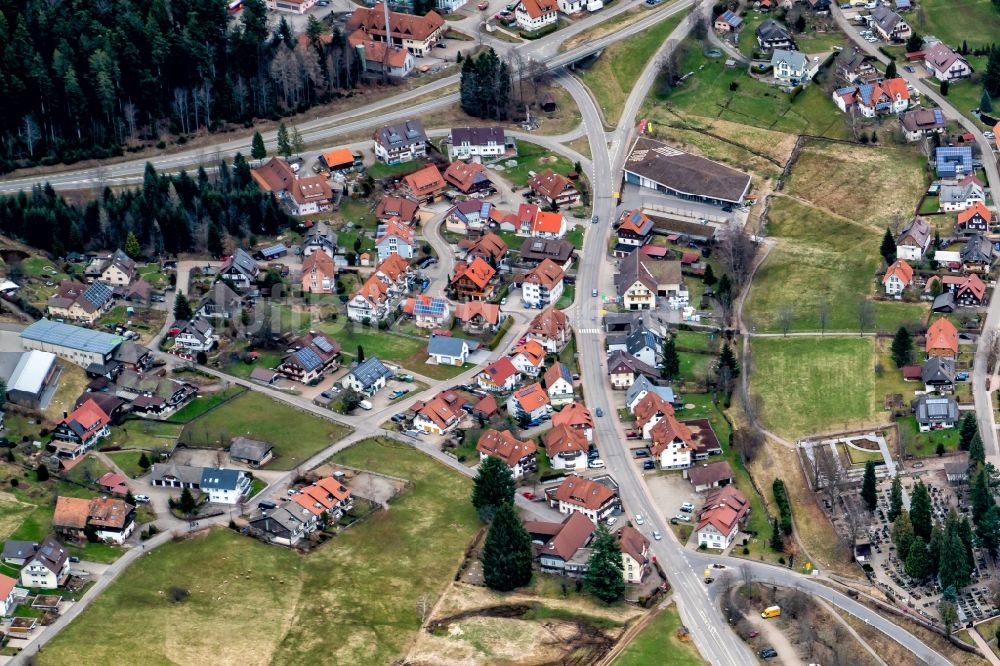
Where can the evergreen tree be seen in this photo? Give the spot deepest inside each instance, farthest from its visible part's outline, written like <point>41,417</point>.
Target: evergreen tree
<point>724,292</point>
<point>41,473</point>
<point>297,142</point>
<point>988,530</point>
<point>977,455</point>
<point>132,248</point>
<point>187,504</point>
<point>144,463</point>
<point>953,568</point>
<point>800,24</point>
<point>777,540</point>
<point>890,70</point>
<point>604,578</point>
<point>902,535</point>
<point>917,563</point>
<point>968,431</point>
<point>182,308</point>
<point>671,360</point>
<point>965,534</point>
<point>130,498</point>
<point>258,150</point>
<point>895,498</point>
<point>920,511</point>
<point>986,102</point>
<point>980,495</point>
<point>902,347</point>
<point>284,141</point>
<point>727,359</point>
<point>869,488</point>
<point>360,356</point>
<point>214,241</point>
<point>492,487</point>
<point>944,88</point>
<point>709,277</point>
<point>991,78</point>
<point>507,552</point>
<point>888,248</point>
<point>935,548</point>
<point>914,43</point>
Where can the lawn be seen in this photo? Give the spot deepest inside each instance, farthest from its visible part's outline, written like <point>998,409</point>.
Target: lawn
<point>921,444</point>
<point>296,435</point>
<point>203,403</point>
<point>696,341</point>
<point>128,462</point>
<point>352,601</point>
<point>575,236</point>
<point>657,643</point>
<point>566,300</point>
<point>707,93</point>
<point>144,434</point>
<point>820,259</point>
<point>813,385</point>
<point>613,75</point>
<point>695,367</point>
<point>267,359</point>
<point>532,157</point>
<point>409,352</point>
<point>380,170</point>
<point>954,21</point>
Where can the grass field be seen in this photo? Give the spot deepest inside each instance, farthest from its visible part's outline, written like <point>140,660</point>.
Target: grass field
<point>128,462</point>
<point>267,359</point>
<point>409,352</point>
<point>202,403</point>
<point>952,21</point>
<point>657,643</point>
<point>812,385</point>
<point>820,259</point>
<point>532,157</point>
<point>922,444</point>
<point>352,601</point>
<point>613,75</point>
<point>707,93</point>
<point>296,435</point>
<point>380,170</point>
<point>143,434</point>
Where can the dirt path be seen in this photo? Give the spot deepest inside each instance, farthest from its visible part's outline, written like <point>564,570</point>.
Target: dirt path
<point>773,636</point>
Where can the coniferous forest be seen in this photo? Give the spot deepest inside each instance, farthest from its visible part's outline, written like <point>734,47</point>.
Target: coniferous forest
<point>86,79</point>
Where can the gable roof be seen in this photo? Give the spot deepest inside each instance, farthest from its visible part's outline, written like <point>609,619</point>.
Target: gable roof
<point>51,555</point>
<point>530,397</point>
<point>550,323</point>
<point>938,369</point>
<point>274,175</point>
<point>795,59</point>
<point>942,334</point>
<point>885,18</point>
<point>389,207</point>
<point>537,8</point>
<point>240,262</point>
<point>635,222</point>
<point>563,438</point>
<point>942,57</point>
<point>404,26</point>
<point>633,543</point>
<point>667,431</point>
<point>444,409</point>
<point>710,473</point>
<point>249,449</point>
<point>547,274</point>
<point>583,492</point>
<point>478,136</point>
<point>86,418</point>
<point>572,535</point>
<point>446,345</point>
<point>320,262</point>
<point>491,245</point>
<point>500,370</point>
<point>575,415</point>
<point>477,271</point>
<point>466,175</point>
<point>489,312</point>
<point>548,222</point>
<point>408,132</point>
<point>978,208</point>
<point>643,383</point>
<point>917,233</point>
<point>370,371</point>
<point>900,269</point>
<point>771,30</point>
<point>556,372</point>
<point>220,478</point>
<point>622,362</point>
<point>977,249</point>
<point>426,181</point>
<point>650,406</point>
<point>922,119</point>
<point>394,228</point>
<point>550,184</point>
<point>71,512</point>
<point>506,447</point>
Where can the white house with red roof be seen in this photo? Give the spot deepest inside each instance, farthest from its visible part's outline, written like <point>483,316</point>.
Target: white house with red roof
<point>725,511</point>
<point>577,494</point>
<point>80,430</point>
<point>897,278</point>
<point>530,402</point>
<point>549,224</point>
<point>543,285</point>
<point>394,238</point>
<point>534,15</point>
<point>551,329</point>
<point>439,415</point>
<point>499,376</point>
<point>673,443</point>
<point>566,448</point>
<point>520,456</point>
<point>576,416</point>
<point>528,358</point>
<point>7,585</point>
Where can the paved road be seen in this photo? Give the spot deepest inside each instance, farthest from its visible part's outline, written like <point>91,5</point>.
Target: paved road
<point>980,373</point>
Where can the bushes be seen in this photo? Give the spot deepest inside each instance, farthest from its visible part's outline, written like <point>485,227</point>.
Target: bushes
<point>784,508</point>
<point>502,331</point>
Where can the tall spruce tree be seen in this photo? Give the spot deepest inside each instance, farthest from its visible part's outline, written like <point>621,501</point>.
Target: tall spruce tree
<point>604,578</point>
<point>132,248</point>
<point>902,535</point>
<point>890,70</point>
<point>920,511</point>
<point>258,150</point>
<point>953,567</point>
<point>182,307</point>
<point>988,530</point>
<point>980,495</point>
<point>986,102</point>
<point>902,347</point>
<point>671,360</point>
<point>917,563</point>
<point>895,498</point>
<point>977,454</point>
<point>888,248</point>
<point>991,77</point>
<point>869,487</point>
<point>777,540</point>
<point>284,141</point>
<point>728,359</point>
<point>507,552</point>
<point>492,487</point>
<point>968,431</point>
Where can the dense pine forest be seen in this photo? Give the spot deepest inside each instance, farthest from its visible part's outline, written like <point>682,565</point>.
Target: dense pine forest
<point>90,78</point>
<point>171,213</point>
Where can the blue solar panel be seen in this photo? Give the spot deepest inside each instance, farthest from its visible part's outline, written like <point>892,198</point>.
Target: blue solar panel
<point>98,294</point>
<point>308,358</point>
<point>434,306</point>
<point>66,335</point>
<point>938,116</point>
<point>323,344</point>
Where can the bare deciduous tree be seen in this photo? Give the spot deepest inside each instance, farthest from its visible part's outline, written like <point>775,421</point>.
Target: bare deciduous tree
<point>424,606</point>
<point>823,314</point>
<point>866,315</point>
<point>736,251</point>
<point>785,316</point>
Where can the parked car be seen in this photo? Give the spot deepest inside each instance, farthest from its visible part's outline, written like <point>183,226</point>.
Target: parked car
<point>649,464</point>
<point>638,519</point>
<point>593,293</point>
<point>611,520</point>
<point>641,453</point>
<point>365,405</point>
<point>528,495</point>
<point>595,220</point>
<point>74,558</point>
<point>767,653</point>
<point>683,518</point>
<point>142,499</point>
<point>596,463</point>
<point>599,412</point>
<point>962,376</point>
<point>631,434</point>
<point>483,6</point>
<point>687,507</point>
<point>266,505</point>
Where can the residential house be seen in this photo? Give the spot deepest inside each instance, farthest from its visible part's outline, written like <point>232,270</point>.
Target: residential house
<point>113,483</point>
<point>897,278</point>
<point>935,412</point>
<point>551,329</point>
<point>793,67</point>
<point>536,250</point>
<point>521,457</point>
<point>945,64</point>
<point>468,216</point>
<point>301,196</point>
<point>173,475</point>
<point>447,350</point>
<point>291,6</point>
<point>673,443</point>
<point>623,369</point>
<point>566,447</point>
<point>571,7</point>
<point>966,290</point>
<point>324,500</point>
<point>197,335</point>
<point>397,209</point>
<point>427,311</point>
<point>772,35</point>
<point>593,499</point>
<point>977,219</point>
<point>395,238</point>
<point>724,513</point>
<point>80,431</point>
<point>641,281</point>
<point>473,280</point>
<point>240,270</point>
<point>886,97</point>
<point>554,188</point>
<point>710,475</point>
<point>728,21</point>
<point>220,302</point>
<point>379,58</point>
<point>855,66</point>
<point>941,339</point>
<point>416,34</point>
<point>645,345</point>
<point>319,274</point>
<point>368,377</point>
<point>469,178</point>
<point>478,317</point>
<point>110,519</point>
<point>528,358</point>
<point>977,254</point>
<point>548,224</point>
<point>400,142</point>
<point>7,602</point>
<point>525,219</point>
<point>338,159</point>
<point>482,144</point>
<point>499,376</point>
<point>962,195</point>
<point>225,486</point>
<point>953,161</point>
<point>439,415</point>
<point>543,285</point>
<point>530,403</point>
<point>576,416</point>
<point>635,554</point>
<point>48,568</point>
<point>371,302</point>
<point>310,357</point>
<point>81,302</point>
<point>18,553</point>
<point>644,386</point>
<point>116,269</point>
<point>559,384</point>
<point>561,547</point>
<point>920,123</point>
<point>252,452</point>
<point>634,230</point>
<point>133,356</point>
<point>913,240</point>
<point>534,15</point>
<point>426,185</point>
<point>491,248</point>
<point>889,25</point>
<point>319,237</point>
<point>938,374</point>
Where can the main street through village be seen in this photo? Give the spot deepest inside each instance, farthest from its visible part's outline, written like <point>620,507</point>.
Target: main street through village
<point>714,638</point>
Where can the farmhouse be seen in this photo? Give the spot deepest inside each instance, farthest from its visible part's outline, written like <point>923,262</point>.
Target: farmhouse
<point>110,519</point>
<point>641,281</point>
<point>966,290</point>
<point>655,165</point>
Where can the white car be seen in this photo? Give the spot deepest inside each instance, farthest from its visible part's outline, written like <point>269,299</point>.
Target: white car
<point>682,517</point>
<point>365,405</point>
<point>596,463</point>
<point>142,499</point>
<point>989,135</point>
<point>687,507</point>
<point>657,535</point>
<point>611,520</point>
<point>638,519</point>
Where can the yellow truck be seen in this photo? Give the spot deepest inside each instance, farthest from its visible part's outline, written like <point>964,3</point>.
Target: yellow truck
<point>771,611</point>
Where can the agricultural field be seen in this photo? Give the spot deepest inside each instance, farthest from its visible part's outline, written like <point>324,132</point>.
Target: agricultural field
<point>267,605</point>
<point>955,21</point>
<point>296,435</point>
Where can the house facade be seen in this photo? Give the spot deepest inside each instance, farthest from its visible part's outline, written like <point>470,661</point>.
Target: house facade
<point>543,286</point>
<point>530,403</point>
<point>225,486</point>
<point>521,457</point>
<point>593,499</point>
<point>47,568</point>
<point>944,64</point>
<point>400,142</point>
<point>534,15</point>
<point>897,278</point>
<point>484,144</point>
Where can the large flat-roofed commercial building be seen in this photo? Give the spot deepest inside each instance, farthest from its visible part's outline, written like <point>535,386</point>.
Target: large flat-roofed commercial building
<point>657,166</point>
<point>73,343</point>
<point>34,372</point>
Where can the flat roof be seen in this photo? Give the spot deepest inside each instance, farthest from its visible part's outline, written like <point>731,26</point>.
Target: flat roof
<point>685,173</point>
<point>31,371</point>
<point>75,337</point>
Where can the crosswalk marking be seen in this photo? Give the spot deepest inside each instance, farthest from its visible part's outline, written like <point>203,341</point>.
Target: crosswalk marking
<point>593,331</point>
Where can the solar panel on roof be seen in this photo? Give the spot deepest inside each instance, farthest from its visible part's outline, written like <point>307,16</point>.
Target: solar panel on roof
<point>75,337</point>
<point>938,116</point>
<point>308,358</point>
<point>98,294</point>
<point>323,344</point>
<point>432,307</point>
